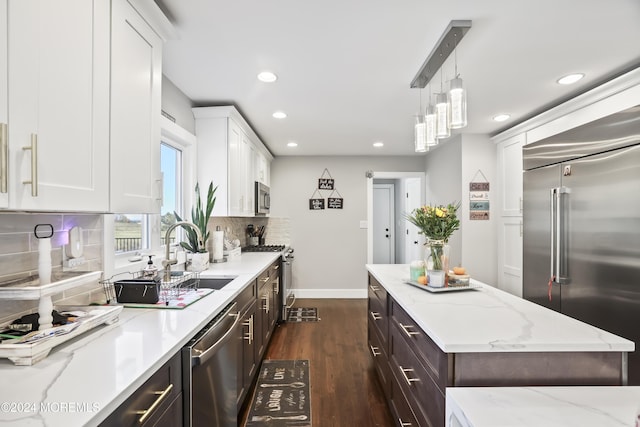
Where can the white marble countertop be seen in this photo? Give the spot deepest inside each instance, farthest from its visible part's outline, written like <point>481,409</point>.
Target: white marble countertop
<point>543,406</point>
<point>491,320</point>
<point>81,382</point>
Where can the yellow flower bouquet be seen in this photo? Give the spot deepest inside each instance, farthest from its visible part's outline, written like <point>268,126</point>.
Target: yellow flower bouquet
<point>437,224</point>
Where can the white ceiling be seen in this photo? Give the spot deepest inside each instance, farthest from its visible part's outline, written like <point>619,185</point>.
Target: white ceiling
<point>344,66</point>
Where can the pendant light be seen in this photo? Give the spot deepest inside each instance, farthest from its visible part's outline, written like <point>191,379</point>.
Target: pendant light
<point>457,97</point>
<point>420,136</point>
<point>442,113</point>
<point>430,123</point>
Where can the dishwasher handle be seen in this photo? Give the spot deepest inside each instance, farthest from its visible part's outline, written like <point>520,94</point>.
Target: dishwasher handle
<point>205,355</point>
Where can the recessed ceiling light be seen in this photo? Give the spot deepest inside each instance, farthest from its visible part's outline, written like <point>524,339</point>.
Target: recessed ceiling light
<point>570,79</point>
<point>501,117</point>
<point>279,115</point>
<point>292,144</point>
<point>267,77</point>
<point>378,144</point>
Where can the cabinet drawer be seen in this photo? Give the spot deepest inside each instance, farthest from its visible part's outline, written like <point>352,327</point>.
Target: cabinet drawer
<point>435,360</point>
<point>377,310</point>
<point>380,360</point>
<point>155,396</point>
<point>400,409</point>
<point>246,297</point>
<point>423,394</point>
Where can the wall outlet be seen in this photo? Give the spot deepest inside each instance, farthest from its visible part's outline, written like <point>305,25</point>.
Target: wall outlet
<point>72,263</point>
<point>363,224</point>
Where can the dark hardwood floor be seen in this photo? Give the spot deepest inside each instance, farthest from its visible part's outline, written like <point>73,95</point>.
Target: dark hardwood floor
<point>344,388</point>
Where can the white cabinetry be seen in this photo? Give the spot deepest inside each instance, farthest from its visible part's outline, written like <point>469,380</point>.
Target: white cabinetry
<point>510,221</point>
<point>228,150</point>
<point>58,105</point>
<point>4,116</point>
<point>136,77</point>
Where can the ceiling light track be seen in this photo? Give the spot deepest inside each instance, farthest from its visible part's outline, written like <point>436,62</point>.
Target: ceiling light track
<point>443,48</point>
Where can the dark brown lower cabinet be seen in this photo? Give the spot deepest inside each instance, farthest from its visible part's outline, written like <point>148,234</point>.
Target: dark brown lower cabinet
<point>156,403</point>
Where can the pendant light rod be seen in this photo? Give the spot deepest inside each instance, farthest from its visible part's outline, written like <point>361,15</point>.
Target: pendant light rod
<point>443,48</point>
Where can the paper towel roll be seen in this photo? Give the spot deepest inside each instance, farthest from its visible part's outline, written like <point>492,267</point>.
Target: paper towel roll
<point>218,244</point>
<point>44,260</point>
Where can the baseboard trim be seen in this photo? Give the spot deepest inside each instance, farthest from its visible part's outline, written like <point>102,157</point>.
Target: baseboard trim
<point>331,293</point>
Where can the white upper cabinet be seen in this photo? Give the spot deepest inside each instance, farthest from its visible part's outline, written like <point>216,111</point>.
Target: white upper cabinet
<point>4,116</point>
<point>136,78</point>
<point>227,153</point>
<point>58,104</point>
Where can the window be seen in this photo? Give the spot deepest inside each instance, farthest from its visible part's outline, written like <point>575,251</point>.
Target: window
<point>131,232</point>
<point>171,167</point>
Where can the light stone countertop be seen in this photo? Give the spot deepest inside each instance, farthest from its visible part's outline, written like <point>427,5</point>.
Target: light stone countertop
<point>82,381</point>
<point>490,320</point>
<point>543,406</point>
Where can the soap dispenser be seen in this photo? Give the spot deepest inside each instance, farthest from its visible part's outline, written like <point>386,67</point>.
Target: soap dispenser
<point>150,270</point>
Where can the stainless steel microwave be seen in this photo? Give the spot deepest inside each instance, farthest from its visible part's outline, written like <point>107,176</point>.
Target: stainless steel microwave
<point>263,199</point>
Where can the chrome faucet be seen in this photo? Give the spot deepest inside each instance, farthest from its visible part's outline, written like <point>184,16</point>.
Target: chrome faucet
<point>168,262</point>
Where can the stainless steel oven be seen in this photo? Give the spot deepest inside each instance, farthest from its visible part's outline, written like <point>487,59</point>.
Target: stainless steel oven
<point>209,372</point>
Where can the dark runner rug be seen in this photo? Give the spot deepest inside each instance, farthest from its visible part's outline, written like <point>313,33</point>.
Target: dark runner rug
<point>282,395</point>
<point>303,314</point>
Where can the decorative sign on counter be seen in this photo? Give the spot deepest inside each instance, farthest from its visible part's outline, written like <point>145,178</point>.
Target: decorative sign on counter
<point>479,198</point>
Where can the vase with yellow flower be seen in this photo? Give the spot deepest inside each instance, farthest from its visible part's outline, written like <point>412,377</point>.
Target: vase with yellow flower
<point>437,223</point>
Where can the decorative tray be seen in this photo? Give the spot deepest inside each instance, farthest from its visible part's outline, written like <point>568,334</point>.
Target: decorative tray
<point>35,346</point>
<point>445,288</point>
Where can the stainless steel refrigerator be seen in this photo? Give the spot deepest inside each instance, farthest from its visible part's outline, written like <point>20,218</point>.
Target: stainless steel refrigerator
<point>581,225</point>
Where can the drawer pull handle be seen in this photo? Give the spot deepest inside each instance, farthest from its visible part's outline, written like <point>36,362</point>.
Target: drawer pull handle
<point>374,351</point>
<point>249,324</point>
<point>406,377</point>
<point>265,280</point>
<point>375,315</point>
<point>161,396</point>
<point>403,424</point>
<point>374,288</point>
<point>405,329</point>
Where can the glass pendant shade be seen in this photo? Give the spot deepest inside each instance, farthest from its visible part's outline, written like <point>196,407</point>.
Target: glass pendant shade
<point>430,124</point>
<point>457,104</point>
<point>442,116</point>
<point>420,134</point>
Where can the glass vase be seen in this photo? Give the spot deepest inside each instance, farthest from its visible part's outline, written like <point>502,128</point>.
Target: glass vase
<point>437,263</point>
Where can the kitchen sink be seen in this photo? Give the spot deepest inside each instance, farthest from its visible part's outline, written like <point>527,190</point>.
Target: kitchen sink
<point>212,282</point>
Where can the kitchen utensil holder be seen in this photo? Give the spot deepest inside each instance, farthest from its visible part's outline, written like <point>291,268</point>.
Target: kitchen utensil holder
<point>169,290</point>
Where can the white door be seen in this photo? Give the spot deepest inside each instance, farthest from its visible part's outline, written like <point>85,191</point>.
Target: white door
<point>4,117</point>
<point>413,240</point>
<point>383,220</point>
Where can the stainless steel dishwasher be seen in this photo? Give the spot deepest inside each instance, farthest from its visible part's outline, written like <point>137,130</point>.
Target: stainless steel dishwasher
<point>209,370</point>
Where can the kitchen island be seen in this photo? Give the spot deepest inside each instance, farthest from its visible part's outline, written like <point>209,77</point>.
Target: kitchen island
<point>82,381</point>
<point>424,342</point>
<point>543,406</point>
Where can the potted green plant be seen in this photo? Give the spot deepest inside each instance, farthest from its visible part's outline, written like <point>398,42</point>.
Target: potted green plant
<point>200,213</point>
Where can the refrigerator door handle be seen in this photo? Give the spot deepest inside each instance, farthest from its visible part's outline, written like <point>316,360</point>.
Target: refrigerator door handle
<point>558,244</point>
<point>554,225</point>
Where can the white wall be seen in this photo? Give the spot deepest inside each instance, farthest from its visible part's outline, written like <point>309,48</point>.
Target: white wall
<point>444,183</point>
<point>177,105</point>
<point>479,238</point>
<point>330,247</point>
<point>450,168</point>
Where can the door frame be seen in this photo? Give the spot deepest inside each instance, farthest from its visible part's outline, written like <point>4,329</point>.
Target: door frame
<point>386,175</point>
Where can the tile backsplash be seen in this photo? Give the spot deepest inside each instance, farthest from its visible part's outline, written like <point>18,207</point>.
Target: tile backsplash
<point>19,255</point>
<point>276,229</point>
